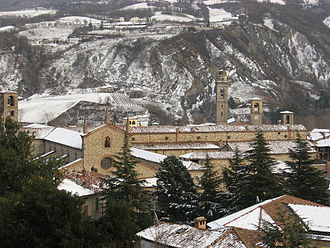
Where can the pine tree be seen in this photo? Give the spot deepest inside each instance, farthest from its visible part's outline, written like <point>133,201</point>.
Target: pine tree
<point>289,232</point>
<point>260,182</point>
<point>33,211</point>
<point>211,196</point>
<point>126,187</point>
<point>176,192</point>
<point>303,180</point>
<point>235,179</point>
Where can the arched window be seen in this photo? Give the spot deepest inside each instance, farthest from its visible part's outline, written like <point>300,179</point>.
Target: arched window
<point>107,142</point>
<point>287,119</point>
<point>11,101</point>
<point>256,107</point>
<point>106,163</point>
<point>12,113</point>
<point>222,93</point>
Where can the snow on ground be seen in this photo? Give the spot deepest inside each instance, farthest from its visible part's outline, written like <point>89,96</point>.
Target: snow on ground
<point>50,33</point>
<point>211,2</point>
<point>172,18</point>
<point>219,15</point>
<point>281,2</point>
<point>137,6</point>
<point>8,29</point>
<point>310,2</point>
<point>79,20</point>
<point>326,21</point>
<point>268,22</point>
<point>38,109</point>
<point>28,12</point>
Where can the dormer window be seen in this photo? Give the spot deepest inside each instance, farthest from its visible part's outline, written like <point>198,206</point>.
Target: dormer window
<point>107,142</point>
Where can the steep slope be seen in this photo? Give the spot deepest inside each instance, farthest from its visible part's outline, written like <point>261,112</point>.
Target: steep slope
<point>277,52</point>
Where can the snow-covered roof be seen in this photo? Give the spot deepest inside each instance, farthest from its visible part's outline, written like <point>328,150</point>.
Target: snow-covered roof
<point>212,155</point>
<point>323,142</point>
<point>178,146</point>
<point>217,128</point>
<point>247,218</point>
<point>251,217</point>
<point>39,131</point>
<point>276,147</point>
<point>158,158</point>
<point>74,188</point>
<point>317,218</point>
<point>286,112</point>
<point>318,134</point>
<point>65,137</point>
<point>255,99</point>
<point>176,235</point>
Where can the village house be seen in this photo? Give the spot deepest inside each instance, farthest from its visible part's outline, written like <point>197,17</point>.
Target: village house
<point>242,229</point>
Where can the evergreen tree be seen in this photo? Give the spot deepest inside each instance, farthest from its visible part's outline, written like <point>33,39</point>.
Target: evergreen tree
<point>260,182</point>
<point>303,180</point>
<point>126,187</point>
<point>117,227</point>
<point>251,179</point>
<point>176,192</point>
<point>211,196</point>
<point>235,179</point>
<point>290,233</point>
<point>33,211</point>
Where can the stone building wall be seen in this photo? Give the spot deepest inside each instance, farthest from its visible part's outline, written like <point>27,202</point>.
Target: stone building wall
<point>94,146</point>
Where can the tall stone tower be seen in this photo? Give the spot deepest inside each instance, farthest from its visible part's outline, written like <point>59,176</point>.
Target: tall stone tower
<point>9,105</point>
<point>256,111</point>
<point>222,98</point>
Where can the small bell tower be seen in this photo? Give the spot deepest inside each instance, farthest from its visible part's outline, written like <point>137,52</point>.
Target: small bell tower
<point>256,111</point>
<point>287,117</point>
<point>9,105</point>
<point>222,86</point>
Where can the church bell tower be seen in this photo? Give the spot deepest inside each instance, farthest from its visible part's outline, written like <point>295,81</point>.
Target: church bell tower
<point>222,98</point>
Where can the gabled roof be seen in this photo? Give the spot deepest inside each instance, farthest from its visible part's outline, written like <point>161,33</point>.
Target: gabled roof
<point>178,146</point>
<point>73,188</point>
<point>184,236</point>
<point>110,125</point>
<point>65,137</point>
<point>250,218</point>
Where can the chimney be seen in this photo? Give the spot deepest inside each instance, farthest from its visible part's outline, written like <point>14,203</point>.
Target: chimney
<point>200,223</point>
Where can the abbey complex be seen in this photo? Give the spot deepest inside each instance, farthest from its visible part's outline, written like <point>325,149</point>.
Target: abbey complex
<point>94,148</point>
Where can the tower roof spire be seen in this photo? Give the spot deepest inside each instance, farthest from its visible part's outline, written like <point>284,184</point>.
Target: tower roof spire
<point>107,117</point>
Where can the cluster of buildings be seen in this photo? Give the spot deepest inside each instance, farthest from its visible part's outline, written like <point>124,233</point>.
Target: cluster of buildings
<point>88,154</point>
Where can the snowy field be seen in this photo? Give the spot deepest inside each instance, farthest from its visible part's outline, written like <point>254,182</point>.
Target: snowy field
<point>172,18</point>
<point>39,109</point>
<point>137,6</point>
<point>28,12</point>
<point>220,15</point>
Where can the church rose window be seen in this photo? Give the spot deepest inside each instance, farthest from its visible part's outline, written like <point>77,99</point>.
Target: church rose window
<point>106,163</point>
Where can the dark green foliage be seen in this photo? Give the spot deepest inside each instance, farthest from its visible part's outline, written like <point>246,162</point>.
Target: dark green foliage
<point>305,181</point>
<point>234,178</point>
<point>292,233</point>
<point>128,204</point>
<point>252,180</point>
<point>211,196</point>
<point>176,192</point>
<point>117,225</point>
<point>34,213</point>
<point>125,186</point>
<point>261,182</point>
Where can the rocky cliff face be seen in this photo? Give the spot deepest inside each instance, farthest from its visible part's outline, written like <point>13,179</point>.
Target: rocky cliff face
<point>265,54</point>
